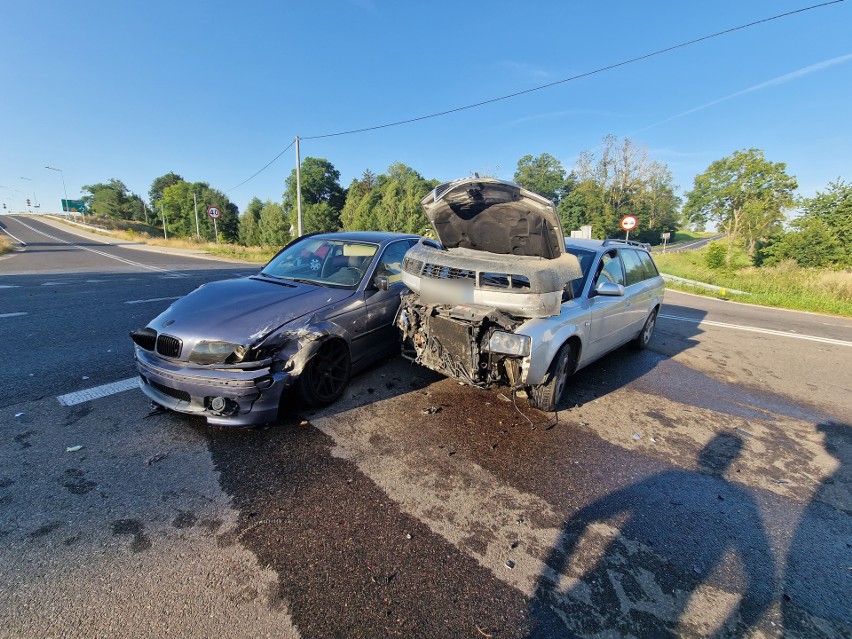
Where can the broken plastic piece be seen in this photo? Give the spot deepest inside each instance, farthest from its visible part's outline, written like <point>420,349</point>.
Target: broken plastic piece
<point>73,449</point>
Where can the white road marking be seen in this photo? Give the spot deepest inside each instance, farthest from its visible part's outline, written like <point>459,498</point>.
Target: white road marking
<point>91,250</point>
<point>53,283</point>
<point>11,314</point>
<point>98,392</point>
<point>754,329</point>
<point>21,242</point>
<point>9,286</point>
<point>154,299</point>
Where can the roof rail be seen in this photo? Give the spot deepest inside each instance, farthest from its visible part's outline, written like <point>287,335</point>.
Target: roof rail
<point>617,240</point>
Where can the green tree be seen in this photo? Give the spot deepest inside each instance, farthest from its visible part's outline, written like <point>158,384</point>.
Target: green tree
<point>387,202</point>
<point>543,175</point>
<point>273,225</point>
<point>834,207</point>
<point>322,196</point>
<point>107,200</point>
<point>155,193</point>
<point>250,223</point>
<point>180,209</point>
<point>744,194</point>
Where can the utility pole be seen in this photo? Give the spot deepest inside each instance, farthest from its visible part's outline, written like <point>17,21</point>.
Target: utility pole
<point>145,208</point>
<point>197,229</point>
<point>163,213</point>
<point>298,189</point>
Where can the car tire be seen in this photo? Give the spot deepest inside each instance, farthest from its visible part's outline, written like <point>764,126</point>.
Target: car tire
<point>641,341</point>
<point>326,374</point>
<point>546,396</point>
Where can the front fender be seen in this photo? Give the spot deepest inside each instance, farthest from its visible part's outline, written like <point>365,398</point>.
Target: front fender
<point>547,338</point>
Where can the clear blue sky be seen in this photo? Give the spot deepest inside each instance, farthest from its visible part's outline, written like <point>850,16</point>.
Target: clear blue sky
<point>215,90</point>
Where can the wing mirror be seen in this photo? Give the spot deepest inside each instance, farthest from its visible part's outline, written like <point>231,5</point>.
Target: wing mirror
<point>610,289</point>
<point>381,282</point>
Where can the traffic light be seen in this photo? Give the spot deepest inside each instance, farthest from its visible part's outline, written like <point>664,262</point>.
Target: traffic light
<point>28,201</point>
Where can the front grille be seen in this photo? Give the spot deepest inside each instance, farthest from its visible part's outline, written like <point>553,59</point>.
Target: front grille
<point>411,265</point>
<point>448,272</point>
<point>171,392</point>
<point>144,338</point>
<point>168,346</point>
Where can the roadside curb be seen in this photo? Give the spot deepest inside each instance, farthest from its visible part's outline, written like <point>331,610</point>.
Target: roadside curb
<point>709,287</point>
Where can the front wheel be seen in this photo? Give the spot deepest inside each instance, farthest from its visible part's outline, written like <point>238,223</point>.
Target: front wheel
<point>644,337</point>
<point>326,374</point>
<point>545,396</point>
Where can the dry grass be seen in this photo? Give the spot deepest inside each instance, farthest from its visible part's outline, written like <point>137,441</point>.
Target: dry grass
<point>5,245</point>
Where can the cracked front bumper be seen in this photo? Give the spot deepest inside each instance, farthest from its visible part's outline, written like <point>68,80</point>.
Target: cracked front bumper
<point>256,393</point>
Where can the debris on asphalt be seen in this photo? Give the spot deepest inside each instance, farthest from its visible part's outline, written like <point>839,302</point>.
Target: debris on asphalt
<point>584,423</point>
<point>431,410</point>
<point>637,436</point>
<point>156,458</point>
<point>780,481</point>
<point>483,633</point>
<point>19,414</point>
<point>744,432</point>
<point>503,397</point>
<point>73,449</point>
<point>510,564</point>
<point>304,423</point>
<point>408,535</point>
<point>514,545</point>
<point>156,409</point>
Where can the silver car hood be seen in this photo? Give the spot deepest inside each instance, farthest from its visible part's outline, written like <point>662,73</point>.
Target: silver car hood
<point>486,214</point>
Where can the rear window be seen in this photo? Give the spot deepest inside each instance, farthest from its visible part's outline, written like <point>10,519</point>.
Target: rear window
<point>648,263</point>
<point>633,267</point>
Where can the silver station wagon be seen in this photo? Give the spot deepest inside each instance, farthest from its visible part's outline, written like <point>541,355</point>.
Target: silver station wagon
<point>505,299</point>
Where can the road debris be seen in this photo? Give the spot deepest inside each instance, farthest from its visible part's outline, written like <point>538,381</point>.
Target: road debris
<point>637,436</point>
<point>483,633</point>
<point>304,423</point>
<point>431,410</point>
<point>744,432</point>
<point>73,449</point>
<point>156,458</point>
<point>510,564</point>
<point>19,414</point>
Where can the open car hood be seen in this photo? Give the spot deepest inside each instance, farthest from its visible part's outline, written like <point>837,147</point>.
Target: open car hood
<point>486,214</point>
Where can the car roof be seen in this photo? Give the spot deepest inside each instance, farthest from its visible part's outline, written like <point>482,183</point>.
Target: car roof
<point>368,236</point>
<point>598,245</point>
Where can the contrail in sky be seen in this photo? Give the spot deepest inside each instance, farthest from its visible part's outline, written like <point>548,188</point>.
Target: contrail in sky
<point>782,79</point>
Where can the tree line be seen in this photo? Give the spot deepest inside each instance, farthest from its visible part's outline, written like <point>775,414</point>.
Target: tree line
<point>745,195</point>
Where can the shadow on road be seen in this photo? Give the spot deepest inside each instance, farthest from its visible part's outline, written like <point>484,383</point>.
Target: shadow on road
<point>817,579</point>
<point>639,580</point>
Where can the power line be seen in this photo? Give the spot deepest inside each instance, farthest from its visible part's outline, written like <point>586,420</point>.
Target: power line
<point>579,76</point>
<point>268,164</point>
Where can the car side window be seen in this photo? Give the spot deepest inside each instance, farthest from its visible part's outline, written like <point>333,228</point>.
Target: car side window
<point>633,266</point>
<point>390,264</point>
<point>648,263</point>
<point>610,270</point>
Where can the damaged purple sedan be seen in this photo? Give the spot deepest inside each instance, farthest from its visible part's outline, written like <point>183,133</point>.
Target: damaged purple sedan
<point>320,310</point>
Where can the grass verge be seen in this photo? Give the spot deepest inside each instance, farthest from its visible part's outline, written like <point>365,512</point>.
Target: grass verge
<point>783,286</point>
<point>5,245</point>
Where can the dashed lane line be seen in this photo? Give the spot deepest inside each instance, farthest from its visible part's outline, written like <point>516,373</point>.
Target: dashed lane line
<point>91,250</point>
<point>754,329</point>
<point>98,392</point>
<point>153,299</point>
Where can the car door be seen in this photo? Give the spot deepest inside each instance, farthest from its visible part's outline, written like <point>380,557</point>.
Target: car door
<point>639,291</point>
<point>380,334</point>
<point>609,314</point>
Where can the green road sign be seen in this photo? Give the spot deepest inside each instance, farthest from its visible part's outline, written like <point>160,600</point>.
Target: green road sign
<point>74,206</point>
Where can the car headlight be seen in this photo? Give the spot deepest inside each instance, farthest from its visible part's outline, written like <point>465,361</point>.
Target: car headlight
<point>217,353</point>
<point>509,343</point>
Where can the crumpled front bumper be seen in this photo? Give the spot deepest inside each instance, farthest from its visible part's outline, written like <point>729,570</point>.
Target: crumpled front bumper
<point>256,393</point>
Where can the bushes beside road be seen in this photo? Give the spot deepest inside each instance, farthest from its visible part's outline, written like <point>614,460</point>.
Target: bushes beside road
<point>784,286</point>
<point>5,245</point>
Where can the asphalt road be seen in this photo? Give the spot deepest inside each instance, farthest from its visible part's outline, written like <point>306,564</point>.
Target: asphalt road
<point>701,486</point>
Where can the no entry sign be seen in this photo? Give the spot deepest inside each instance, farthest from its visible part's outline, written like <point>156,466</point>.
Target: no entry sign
<point>628,222</point>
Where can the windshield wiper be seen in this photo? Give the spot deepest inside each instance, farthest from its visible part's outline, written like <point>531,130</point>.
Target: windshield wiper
<point>304,281</point>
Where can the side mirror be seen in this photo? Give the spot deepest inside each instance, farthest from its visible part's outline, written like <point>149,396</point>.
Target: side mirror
<point>610,289</point>
<point>381,282</point>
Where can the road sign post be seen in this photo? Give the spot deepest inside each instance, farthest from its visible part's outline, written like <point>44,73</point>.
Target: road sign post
<point>665,236</point>
<point>215,214</point>
<point>628,223</point>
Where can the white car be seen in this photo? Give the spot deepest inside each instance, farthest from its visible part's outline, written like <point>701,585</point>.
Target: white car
<point>505,299</point>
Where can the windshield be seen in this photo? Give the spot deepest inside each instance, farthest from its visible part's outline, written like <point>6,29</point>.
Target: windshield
<point>585,258</point>
<point>322,261</point>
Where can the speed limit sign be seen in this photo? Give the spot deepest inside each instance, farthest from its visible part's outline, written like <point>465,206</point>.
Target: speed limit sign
<point>628,222</point>
<point>214,212</point>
